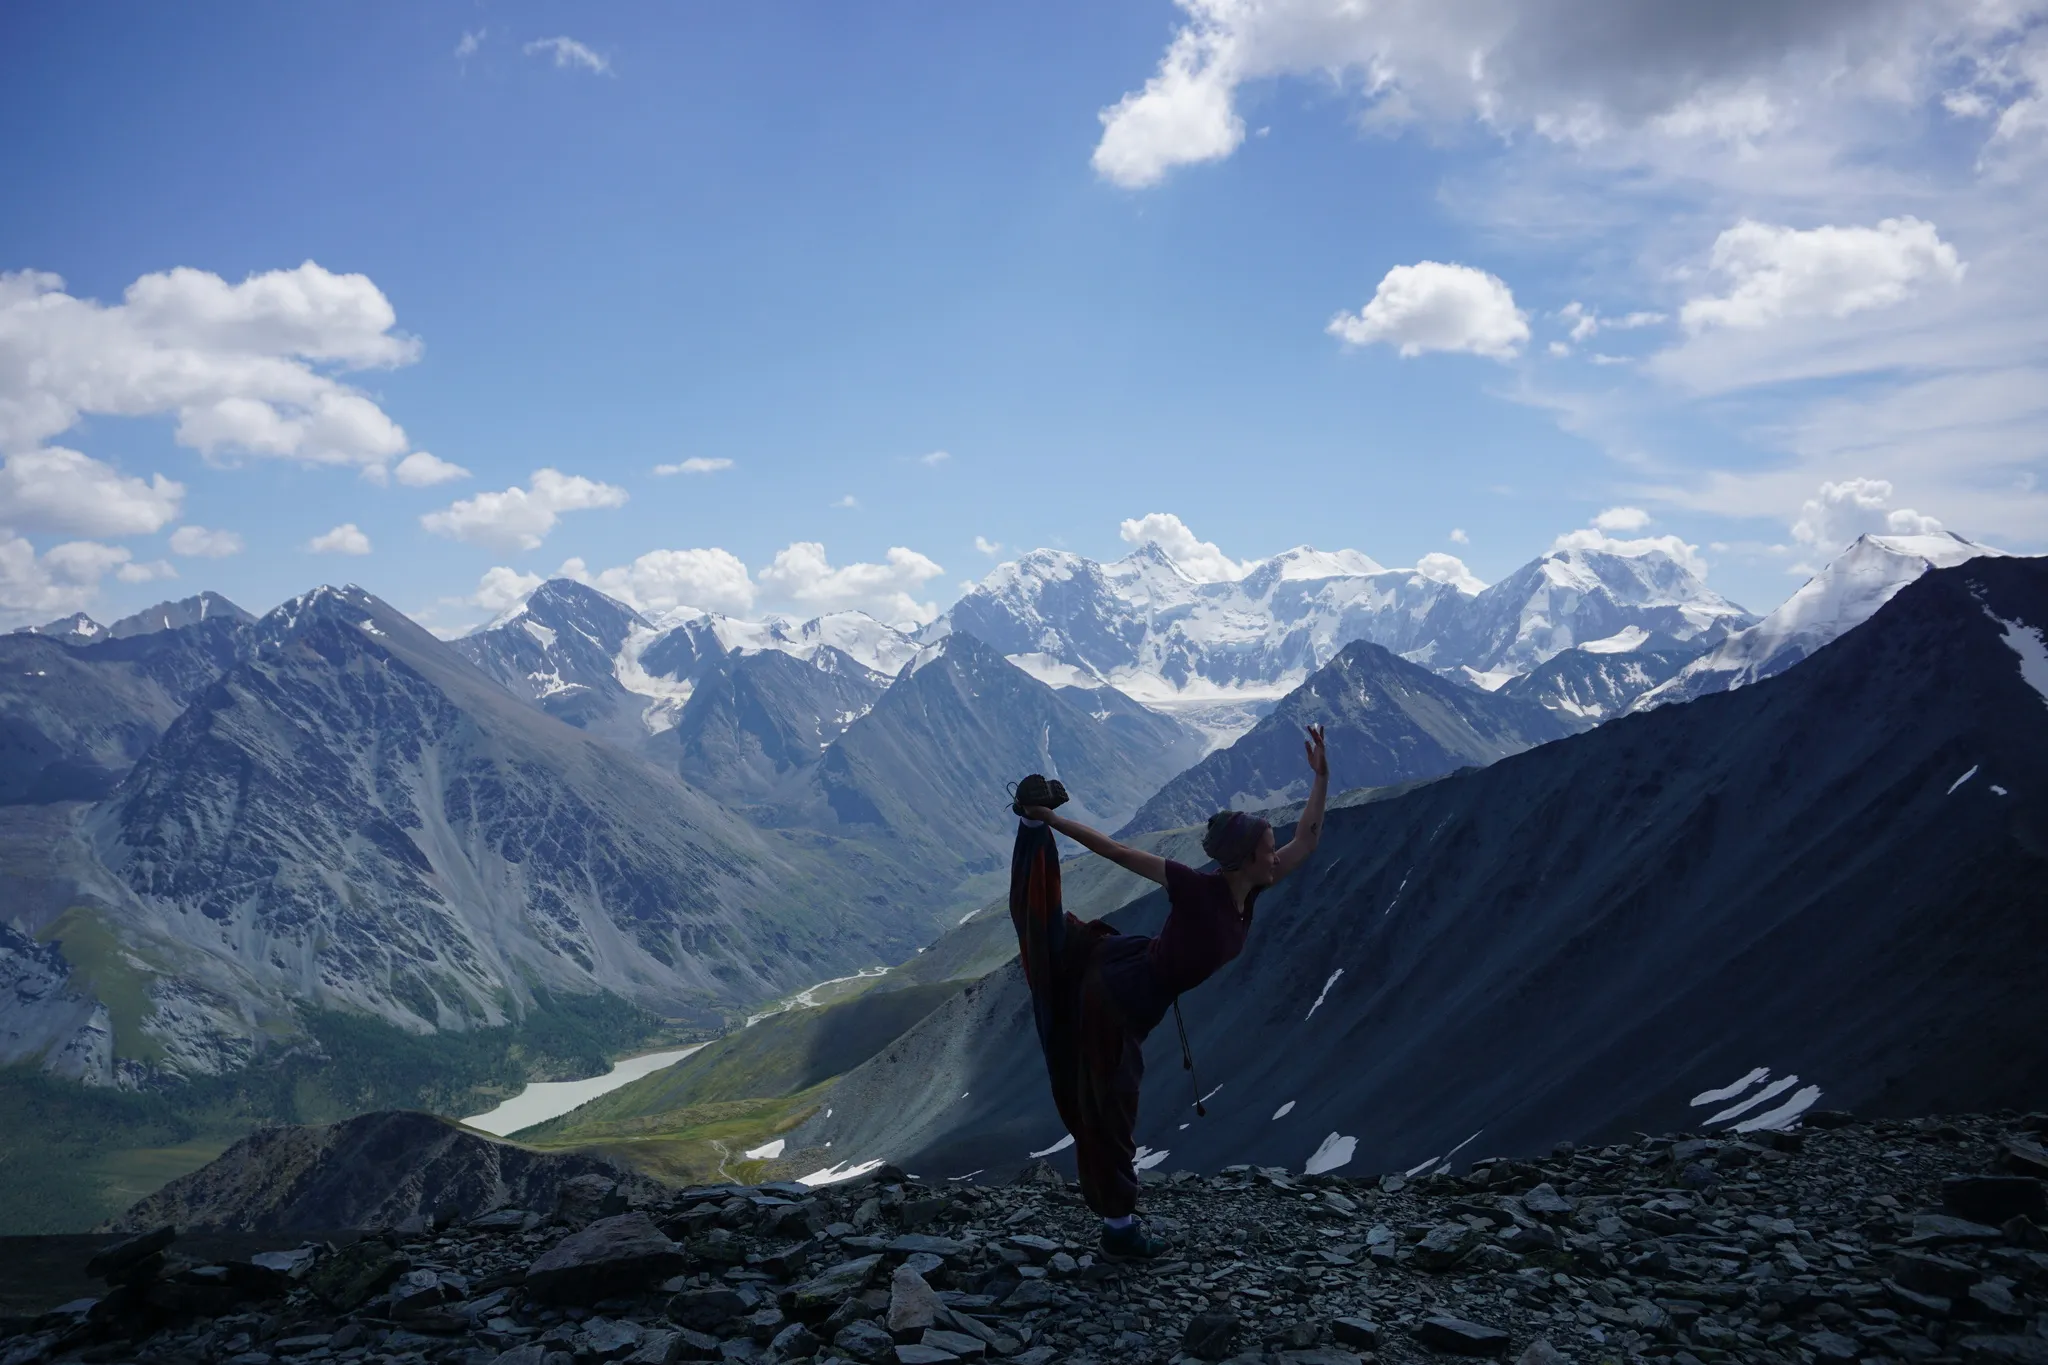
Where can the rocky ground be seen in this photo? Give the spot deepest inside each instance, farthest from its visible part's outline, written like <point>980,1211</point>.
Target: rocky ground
<point>1850,1240</point>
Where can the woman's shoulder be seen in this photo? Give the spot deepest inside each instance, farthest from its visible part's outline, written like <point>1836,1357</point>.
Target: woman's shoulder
<point>1181,877</point>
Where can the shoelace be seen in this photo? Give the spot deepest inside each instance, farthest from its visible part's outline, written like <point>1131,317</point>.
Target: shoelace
<point>1187,1059</point>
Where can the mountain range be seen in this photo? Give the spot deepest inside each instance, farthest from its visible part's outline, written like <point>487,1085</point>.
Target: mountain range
<point>1823,888</point>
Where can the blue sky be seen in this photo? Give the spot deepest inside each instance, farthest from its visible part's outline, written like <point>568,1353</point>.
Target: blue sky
<point>1093,253</point>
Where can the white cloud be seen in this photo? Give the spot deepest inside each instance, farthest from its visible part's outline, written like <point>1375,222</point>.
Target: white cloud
<point>1458,536</point>
<point>466,49</point>
<point>1575,73</point>
<point>520,518</point>
<point>696,464</point>
<point>196,542</point>
<point>713,580</point>
<point>1449,569</point>
<point>501,588</point>
<point>567,52</point>
<point>1622,519</point>
<point>1586,323</point>
<point>54,489</point>
<point>887,591</point>
<point>1840,512</point>
<point>136,572</point>
<point>988,547</point>
<point>246,369</point>
<point>1779,272</point>
<point>1182,115</point>
<point>1671,547</point>
<point>1200,558</point>
<point>1431,306</point>
<point>63,579</point>
<point>421,470</point>
<point>846,500</point>
<point>345,539</point>
<point>935,458</point>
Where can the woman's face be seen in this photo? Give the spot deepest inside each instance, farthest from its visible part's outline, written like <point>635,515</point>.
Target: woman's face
<point>1265,866</point>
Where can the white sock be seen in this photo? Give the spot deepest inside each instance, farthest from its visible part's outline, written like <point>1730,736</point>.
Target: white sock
<point>1120,1223</point>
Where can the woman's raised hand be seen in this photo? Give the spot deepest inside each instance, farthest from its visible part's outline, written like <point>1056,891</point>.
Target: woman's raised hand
<point>1318,760</point>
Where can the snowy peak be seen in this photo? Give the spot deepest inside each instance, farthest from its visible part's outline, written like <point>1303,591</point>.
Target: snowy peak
<point>1842,596</point>
<point>1228,648</point>
<point>75,629</point>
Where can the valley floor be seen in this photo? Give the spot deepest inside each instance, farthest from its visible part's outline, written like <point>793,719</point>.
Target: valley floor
<point>1923,1240</point>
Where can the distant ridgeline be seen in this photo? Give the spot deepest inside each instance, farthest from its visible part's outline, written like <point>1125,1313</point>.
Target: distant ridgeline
<point>319,862</point>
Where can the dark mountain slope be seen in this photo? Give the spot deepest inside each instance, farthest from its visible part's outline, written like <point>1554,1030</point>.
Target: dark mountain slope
<point>75,717</point>
<point>1388,721</point>
<point>1839,874</point>
<point>188,611</point>
<point>923,772</point>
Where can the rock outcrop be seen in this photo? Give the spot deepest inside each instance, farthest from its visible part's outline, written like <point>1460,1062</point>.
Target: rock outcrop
<point>1851,1241</point>
<point>374,1170</point>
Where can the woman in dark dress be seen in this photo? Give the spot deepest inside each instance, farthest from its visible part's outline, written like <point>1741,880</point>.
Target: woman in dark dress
<point>1096,994</point>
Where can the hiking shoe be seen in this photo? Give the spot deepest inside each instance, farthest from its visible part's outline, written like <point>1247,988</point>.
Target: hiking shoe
<point>1131,1243</point>
<point>1037,791</point>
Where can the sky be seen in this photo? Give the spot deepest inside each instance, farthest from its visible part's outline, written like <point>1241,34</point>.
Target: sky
<point>785,307</point>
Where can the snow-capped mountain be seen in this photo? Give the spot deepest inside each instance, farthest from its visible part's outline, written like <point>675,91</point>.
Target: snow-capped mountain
<point>597,663</point>
<point>1600,679</point>
<point>1150,628</point>
<point>75,629</point>
<point>1388,721</point>
<point>1839,598</point>
<point>559,648</point>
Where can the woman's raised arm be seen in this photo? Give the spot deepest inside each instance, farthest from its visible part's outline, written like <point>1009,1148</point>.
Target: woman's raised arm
<point>1150,866</point>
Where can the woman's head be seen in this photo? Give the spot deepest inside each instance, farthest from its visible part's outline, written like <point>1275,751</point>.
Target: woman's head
<point>1242,843</point>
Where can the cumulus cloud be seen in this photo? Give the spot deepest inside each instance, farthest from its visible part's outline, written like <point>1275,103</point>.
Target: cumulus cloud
<point>935,458</point>
<point>1458,536</point>
<point>502,588</point>
<point>988,547</point>
<point>846,500</point>
<point>55,489</point>
<point>520,518</point>
<point>1200,558</point>
<point>1450,569</point>
<point>1840,512</point>
<point>345,539</point>
<point>63,579</point>
<point>135,571</point>
<point>570,54</point>
<point>1671,547</point>
<point>801,574</point>
<point>246,369</point>
<point>696,464</point>
<point>471,41</point>
<point>196,542</point>
<point>1572,72</point>
<point>421,470</point>
<point>1776,273</point>
<point>1431,306</point>
<point>1622,519</point>
<point>1182,115</point>
<point>714,580</point>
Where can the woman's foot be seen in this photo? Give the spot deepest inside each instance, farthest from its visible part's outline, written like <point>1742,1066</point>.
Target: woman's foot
<point>1036,790</point>
<point>1130,1242</point>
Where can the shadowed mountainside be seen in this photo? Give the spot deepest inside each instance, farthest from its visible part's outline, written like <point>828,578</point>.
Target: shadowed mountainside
<point>1837,876</point>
